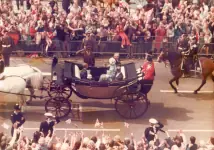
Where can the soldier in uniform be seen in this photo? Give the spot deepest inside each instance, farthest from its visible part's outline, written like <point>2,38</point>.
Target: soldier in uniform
<point>17,118</point>
<point>190,56</point>
<point>7,45</point>
<point>183,44</point>
<point>47,125</point>
<point>151,131</point>
<point>88,48</point>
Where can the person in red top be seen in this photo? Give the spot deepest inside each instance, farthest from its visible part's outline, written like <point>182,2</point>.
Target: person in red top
<point>148,68</point>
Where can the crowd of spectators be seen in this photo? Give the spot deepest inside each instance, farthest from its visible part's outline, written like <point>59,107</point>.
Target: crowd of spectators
<point>77,141</point>
<point>156,24</point>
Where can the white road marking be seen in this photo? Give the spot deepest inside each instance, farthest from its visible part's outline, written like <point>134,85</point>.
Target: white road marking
<point>69,129</point>
<point>173,130</point>
<point>184,91</point>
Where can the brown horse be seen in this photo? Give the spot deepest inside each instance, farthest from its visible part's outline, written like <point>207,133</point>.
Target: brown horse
<point>175,61</point>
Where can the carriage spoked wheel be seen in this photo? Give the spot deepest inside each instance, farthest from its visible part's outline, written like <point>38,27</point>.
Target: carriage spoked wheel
<point>56,90</point>
<point>131,105</point>
<point>58,106</point>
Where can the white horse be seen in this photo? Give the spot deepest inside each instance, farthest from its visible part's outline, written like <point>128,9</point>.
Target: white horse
<point>16,79</point>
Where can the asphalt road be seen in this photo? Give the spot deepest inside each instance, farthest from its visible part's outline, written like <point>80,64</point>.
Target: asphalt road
<point>186,111</point>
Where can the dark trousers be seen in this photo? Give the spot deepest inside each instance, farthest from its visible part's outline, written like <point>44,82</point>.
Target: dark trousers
<point>21,2</point>
<point>6,58</point>
<point>28,4</point>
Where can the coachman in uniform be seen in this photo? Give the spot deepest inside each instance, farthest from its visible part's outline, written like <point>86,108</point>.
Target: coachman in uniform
<point>17,118</point>
<point>7,45</point>
<point>47,125</point>
<point>88,48</point>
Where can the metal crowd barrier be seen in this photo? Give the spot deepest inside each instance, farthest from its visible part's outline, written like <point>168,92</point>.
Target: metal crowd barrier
<point>138,48</point>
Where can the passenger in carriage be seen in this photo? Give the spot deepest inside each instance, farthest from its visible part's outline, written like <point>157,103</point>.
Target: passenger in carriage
<point>83,72</point>
<point>117,58</point>
<point>111,73</point>
<point>118,75</point>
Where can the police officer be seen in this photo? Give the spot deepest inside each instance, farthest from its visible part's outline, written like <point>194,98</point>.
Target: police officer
<point>7,44</point>
<point>151,131</point>
<point>17,118</point>
<point>183,44</point>
<point>47,125</point>
<point>190,56</point>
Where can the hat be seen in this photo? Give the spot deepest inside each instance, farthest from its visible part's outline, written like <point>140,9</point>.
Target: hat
<point>153,121</point>
<point>48,114</point>
<point>17,107</point>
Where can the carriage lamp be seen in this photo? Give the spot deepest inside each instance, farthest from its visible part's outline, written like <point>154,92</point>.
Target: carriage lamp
<point>54,76</point>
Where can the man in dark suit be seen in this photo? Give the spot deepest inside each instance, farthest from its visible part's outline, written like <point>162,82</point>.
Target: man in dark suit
<point>17,118</point>
<point>7,45</point>
<point>118,75</point>
<point>83,73</point>
<point>151,131</point>
<point>48,124</point>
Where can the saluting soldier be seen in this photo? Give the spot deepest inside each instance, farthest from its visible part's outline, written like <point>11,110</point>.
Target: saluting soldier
<point>152,131</point>
<point>47,125</point>
<point>88,48</point>
<point>17,118</point>
<point>7,45</point>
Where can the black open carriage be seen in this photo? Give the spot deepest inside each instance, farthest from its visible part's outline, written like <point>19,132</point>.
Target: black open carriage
<point>130,98</point>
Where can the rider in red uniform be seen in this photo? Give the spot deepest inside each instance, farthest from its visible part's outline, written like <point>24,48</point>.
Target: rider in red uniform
<point>148,68</point>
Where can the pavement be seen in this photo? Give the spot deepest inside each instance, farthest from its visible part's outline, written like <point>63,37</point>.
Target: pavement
<point>189,112</point>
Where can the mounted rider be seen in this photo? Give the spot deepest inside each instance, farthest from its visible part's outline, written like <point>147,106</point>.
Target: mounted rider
<point>183,44</point>
<point>190,56</point>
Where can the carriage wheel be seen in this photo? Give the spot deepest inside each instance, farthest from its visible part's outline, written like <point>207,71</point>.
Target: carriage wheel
<point>58,106</point>
<point>59,91</point>
<point>131,105</point>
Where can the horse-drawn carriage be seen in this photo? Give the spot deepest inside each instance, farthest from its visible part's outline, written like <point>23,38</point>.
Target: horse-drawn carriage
<point>130,99</point>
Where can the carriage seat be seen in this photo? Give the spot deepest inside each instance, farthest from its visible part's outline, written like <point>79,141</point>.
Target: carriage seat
<point>123,72</point>
<point>77,72</point>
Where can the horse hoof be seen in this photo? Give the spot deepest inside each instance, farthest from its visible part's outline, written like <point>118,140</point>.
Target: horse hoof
<point>195,92</point>
<point>176,91</point>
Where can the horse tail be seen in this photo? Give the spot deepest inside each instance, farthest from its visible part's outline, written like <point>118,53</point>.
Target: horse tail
<point>36,78</point>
